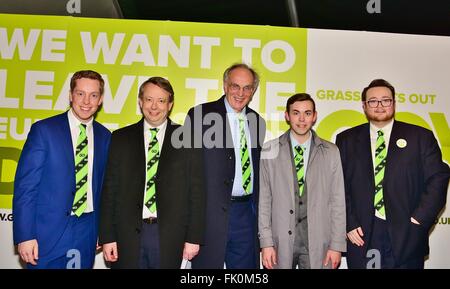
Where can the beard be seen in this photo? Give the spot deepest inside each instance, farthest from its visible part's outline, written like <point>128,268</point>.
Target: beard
<point>379,117</point>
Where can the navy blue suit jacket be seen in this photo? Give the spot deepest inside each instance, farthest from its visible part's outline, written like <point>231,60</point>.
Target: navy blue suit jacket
<point>219,171</point>
<point>415,185</point>
<point>44,186</point>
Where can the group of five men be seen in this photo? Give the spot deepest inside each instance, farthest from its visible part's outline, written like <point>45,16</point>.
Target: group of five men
<point>215,194</point>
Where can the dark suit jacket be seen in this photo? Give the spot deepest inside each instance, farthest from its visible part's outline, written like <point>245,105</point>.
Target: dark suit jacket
<point>415,185</point>
<point>44,185</point>
<point>219,170</point>
<point>179,197</point>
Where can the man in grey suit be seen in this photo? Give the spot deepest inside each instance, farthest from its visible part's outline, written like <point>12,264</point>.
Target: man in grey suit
<point>302,201</point>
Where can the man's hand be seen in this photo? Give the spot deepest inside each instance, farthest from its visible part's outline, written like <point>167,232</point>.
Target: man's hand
<point>28,251</point>
<point>110,252</point>
<point>190,250</point>
<point>269,257</point>
<point>355,236</point>
<point>334,257</point>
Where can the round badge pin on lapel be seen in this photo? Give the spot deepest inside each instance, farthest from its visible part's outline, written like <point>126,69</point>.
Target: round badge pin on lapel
<point>401,143</point>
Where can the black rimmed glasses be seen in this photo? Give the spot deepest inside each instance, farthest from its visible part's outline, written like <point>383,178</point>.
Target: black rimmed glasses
<point>373,103</point>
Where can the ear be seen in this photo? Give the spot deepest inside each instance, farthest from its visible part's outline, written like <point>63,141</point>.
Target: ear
<point>286,116</point>
<point>315,117</point>
<point>225,87</point>
<point>140,102</point>
<point>101,100</point>
<point>170,105</point>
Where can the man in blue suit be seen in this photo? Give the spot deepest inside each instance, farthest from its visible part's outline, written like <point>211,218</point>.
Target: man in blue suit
<point>230,135</point>
<point>58,182</point>
<point>395,185</point>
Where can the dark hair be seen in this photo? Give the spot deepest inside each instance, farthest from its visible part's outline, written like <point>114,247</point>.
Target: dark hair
<point>300,97</point>
<point>255,75</point>
<point>377,83</point>
<point>159,82</point>
<point>87,74</point>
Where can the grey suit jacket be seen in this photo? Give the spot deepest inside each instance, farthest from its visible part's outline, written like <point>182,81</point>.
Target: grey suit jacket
<point>326,200</point>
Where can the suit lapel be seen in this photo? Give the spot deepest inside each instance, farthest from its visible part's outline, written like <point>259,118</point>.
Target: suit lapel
<point>66,142</point>
<point>167,147</point>
<point>137,145</point>
<point>393,151</point>
<point>221,109</point>
<point>227,136</point>
<point>287,167</point>
<point>315,142</point>
<point>363,153</point>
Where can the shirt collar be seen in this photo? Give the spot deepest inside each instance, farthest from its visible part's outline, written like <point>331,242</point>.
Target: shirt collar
<point>75,122</point>
<point>160,127</point>
<point>386,129</point>
<point>295,143</point>
<point>231,111</point>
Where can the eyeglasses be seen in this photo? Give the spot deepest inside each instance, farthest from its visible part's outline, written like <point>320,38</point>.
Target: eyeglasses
<point>373,103</point>
<point>235,88</point>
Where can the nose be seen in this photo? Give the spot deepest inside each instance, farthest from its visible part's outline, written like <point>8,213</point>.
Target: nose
<point>86,99</point>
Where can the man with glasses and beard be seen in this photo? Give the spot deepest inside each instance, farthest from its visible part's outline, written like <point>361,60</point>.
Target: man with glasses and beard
<point>395,185</point>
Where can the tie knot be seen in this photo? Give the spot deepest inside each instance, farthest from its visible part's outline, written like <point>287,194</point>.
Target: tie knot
<point>299,150</point>
<point>380,133</point>
<point>154,131</point>
<point>82,128</point>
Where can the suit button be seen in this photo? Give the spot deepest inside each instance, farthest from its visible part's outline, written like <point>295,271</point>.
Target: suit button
<point>290,232</point>
<point>138,230</point>
<point>291,211</point>
<point>300,203</point>
<point>230,157</point>
<point>224,209</point>
<point>299,220</point>
<point>67,213</point>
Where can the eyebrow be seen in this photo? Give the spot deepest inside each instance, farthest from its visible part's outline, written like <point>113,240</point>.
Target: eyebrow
<point>383,97</point>
<point>296,110</point>
<point>80,90</point>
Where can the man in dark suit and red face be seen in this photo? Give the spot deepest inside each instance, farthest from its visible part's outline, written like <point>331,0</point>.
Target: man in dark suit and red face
<point>396,185</point>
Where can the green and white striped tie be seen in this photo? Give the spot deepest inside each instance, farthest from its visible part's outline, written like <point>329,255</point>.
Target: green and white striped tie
<point>81,172</point>
<point>152,168</point>
<point>380,162</point>
<point>245,159</point>
<point>300,169</point>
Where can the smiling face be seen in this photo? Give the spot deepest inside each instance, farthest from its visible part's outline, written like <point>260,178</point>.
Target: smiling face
<point>85,98</point>
<point>301,117</point>
<point>380,115</point>
<point>155,104</point>
<point>239,88</point>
